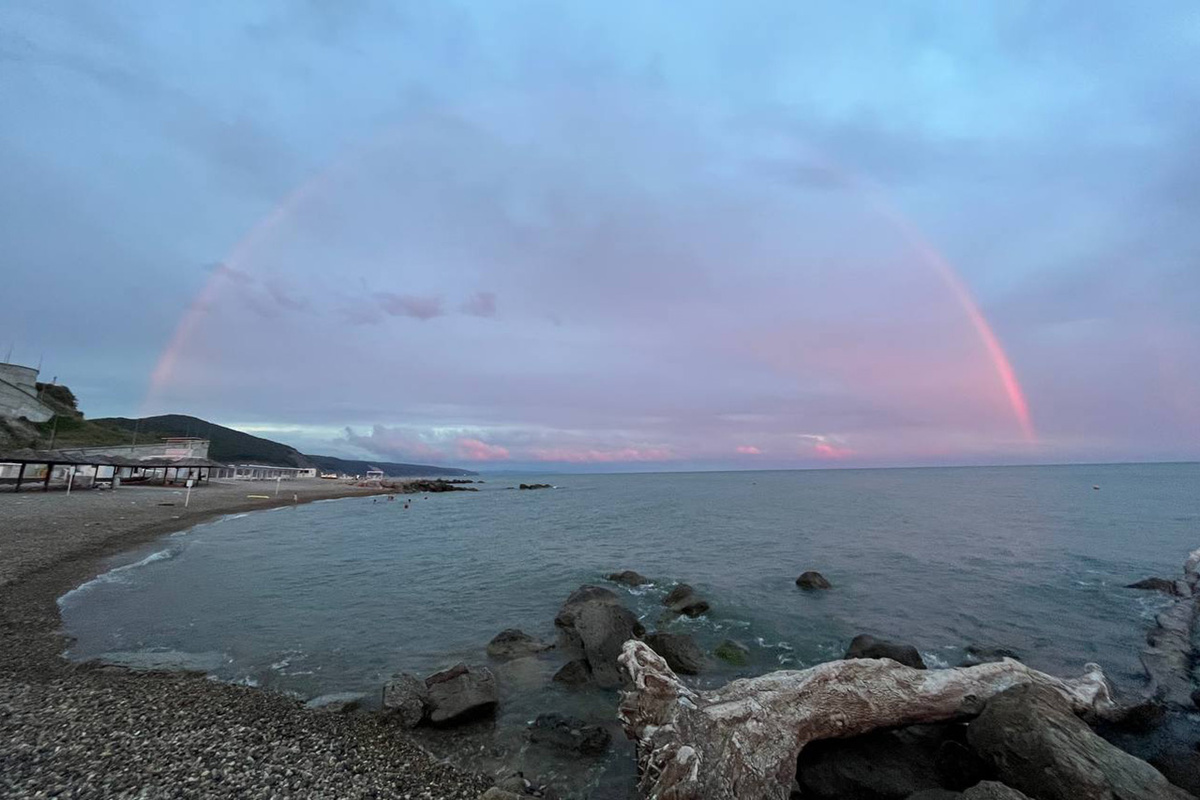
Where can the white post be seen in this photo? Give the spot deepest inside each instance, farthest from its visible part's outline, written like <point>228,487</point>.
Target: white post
<point>187,498</point>
<point>70,480</point>
<point>278,478</point>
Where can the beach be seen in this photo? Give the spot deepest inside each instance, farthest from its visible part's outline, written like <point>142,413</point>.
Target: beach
<point>86,730</point>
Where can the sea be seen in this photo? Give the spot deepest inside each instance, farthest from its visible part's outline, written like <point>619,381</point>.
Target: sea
<point>328,600</point>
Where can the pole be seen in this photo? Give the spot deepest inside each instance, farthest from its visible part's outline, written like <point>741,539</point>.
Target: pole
<point>187,498</point>
<point>278,478</point>
<point>70,480</point>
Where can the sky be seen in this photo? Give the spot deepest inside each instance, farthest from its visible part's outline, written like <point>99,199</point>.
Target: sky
<point>614,236</point>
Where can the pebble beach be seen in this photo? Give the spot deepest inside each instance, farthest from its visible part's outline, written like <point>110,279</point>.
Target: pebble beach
<point>89,730</point>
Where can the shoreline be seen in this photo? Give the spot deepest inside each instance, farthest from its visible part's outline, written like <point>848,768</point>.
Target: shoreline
<point>92,730</point>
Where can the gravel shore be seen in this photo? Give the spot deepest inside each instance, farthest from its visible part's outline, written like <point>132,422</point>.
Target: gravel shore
<point>71,730</point>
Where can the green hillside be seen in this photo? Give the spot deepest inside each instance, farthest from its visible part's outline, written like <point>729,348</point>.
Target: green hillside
<point>392,470</point>
<point>227,445</point>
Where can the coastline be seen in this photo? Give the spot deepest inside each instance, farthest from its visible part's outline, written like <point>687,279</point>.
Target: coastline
<point>89,730</point>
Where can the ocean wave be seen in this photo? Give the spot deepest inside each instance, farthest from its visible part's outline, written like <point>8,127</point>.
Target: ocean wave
<point>120,574</point>
<point>934,661</point>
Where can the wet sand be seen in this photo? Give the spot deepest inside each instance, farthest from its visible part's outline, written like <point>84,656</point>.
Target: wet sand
<point>71,730</point>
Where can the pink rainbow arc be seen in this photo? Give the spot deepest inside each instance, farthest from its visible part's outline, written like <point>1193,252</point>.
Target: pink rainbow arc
<point>953,281</point>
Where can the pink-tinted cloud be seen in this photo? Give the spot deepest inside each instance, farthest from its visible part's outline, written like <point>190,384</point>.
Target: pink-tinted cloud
<point>408,305</point>
<point>477,450</point>
<point>581,455</point>
<point>832,451</point>
<point>480,304</point>
<point>748,450</point>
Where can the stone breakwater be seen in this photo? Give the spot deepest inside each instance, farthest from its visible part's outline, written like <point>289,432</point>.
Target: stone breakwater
<point>91,731</point>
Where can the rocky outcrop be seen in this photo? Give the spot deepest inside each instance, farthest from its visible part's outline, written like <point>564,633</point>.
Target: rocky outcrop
<point>1032,739</point>
<point>813,580</point>
<point>407,698</point>
<point>866,646</point>
<point>684,600</point>
<point>1156,585</point>
<point>594,624</point>
<point>1168,657</point>
<point>569,734</point>
<point>535,486</point>
<point>628,577</point>
<point>514,643</point>
<point>1181,768</point>
<point>733,652</point>
<point>993,790</point>
<point>574,673</point>
<point>680,651</point>
<point>461,693</point>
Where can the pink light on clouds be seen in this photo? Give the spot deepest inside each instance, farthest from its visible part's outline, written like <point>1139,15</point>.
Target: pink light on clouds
<point>831,451</point>
<point>578,455</point>
<point>476,450</point>
<point>748,450</point>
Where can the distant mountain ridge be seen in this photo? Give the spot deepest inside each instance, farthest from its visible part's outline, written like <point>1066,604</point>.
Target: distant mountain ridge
<point>231,446</point>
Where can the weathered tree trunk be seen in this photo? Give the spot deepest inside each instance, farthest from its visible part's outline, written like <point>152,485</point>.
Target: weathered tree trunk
<point>1168,657</point>
<point>741,741</point>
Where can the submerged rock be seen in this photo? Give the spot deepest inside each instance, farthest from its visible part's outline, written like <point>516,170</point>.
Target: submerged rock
<point>978,654</point>
<point>569,733</point>
<point>535,486</point>
<point>684,600</point>
<point>680,650</point>
<point>407,697</point>
<point>574,673</point>
<point>733,652</point>
<point>1033,741</point>
<point>867,646</point>
<point>628,577</point>
<point>515,643</point>
<point>594,623</point>
<point>813,580</point>
<point>461,693</point>
<point>1156,585</point>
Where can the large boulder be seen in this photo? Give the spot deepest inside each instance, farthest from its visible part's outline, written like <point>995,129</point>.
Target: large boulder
<point>570,734</point>
<point>992,790</point>
<point>407,698</point>
<point>574,673</point>
<point>1181,767</point>
<point>813,580</point>
<point>1033,742</point>
<point>733,652</point>
<point>684,600</point>
<point>594,623</point>
<point>680,650</point>
<point>866,646</point>
<point>628,577</point>
<point>513,643</point>
<point>1156,585</point>
<point>461,693</point>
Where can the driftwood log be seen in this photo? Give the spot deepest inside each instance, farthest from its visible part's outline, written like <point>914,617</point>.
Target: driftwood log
<point>742,740</point>
<point>1167,658</point>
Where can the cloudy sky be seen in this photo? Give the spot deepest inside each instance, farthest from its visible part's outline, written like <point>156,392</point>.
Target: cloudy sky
<point>618,235</point>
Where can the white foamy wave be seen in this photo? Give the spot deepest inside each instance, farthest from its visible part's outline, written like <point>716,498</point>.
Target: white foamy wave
<point>934,661</point>
<point>119,574</point>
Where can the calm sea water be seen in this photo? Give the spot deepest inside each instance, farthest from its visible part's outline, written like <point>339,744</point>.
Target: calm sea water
<point>336,596</point>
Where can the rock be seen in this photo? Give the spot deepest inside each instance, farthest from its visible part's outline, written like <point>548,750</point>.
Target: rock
<point>593,622</point>
<point>535,486</point>
<point>934,794</point>
<point>684,600</point>
<point>813,580</point>
<point>1029,736</point>
<point>1181,768</point>
<point>679,649</point>
<point>1140,718</point>
<point>866,646</point>
<point>732,652</point>
<point>574,673</point>
<point>407,697</point>
<point>339,703</point>
<point>957,765</point>
<point>569,733</point>
<point>1156,585</point>
<point>496,793</point>
<point>628,577</point>
<point>986,655</point>
<point>877,765</point>
<point>461,693</point>
<point>515,783</point>
<point>993,790</point>
<point>1196,698</point>
<point>514,643</point>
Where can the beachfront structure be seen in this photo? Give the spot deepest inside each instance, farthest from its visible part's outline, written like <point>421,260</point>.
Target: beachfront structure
<point>374,474</point>
<point>80,469</point>
<point>263,472</point>
<point>19,394</point>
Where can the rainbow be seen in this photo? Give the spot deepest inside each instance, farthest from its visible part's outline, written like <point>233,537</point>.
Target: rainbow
<point>912,236</point>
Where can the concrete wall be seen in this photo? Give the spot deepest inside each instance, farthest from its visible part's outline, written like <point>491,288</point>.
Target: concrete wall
<point>18,394</point>
<point>193,449</point>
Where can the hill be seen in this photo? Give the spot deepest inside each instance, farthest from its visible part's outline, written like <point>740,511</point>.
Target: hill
<point>392,470</point>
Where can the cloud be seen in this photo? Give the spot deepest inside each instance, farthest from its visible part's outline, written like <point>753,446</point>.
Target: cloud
<point>407,305</point>
<point>832,451</point>
<point>748,450</point>
<point>480,304</point>
<point>476,450</point>
<point>578,455</point>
